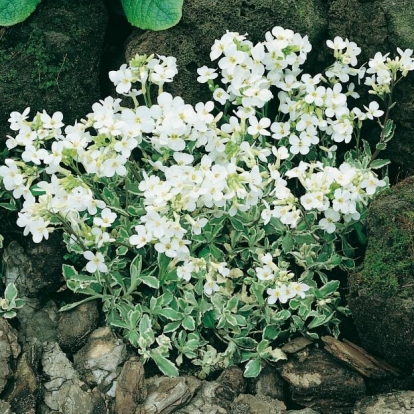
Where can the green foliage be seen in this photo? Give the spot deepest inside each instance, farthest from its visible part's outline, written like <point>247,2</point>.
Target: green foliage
<point>16,11</point>
<point>10,303</point>
<point>145,14</point>
<point>153,14</point>
<point>207,238</point>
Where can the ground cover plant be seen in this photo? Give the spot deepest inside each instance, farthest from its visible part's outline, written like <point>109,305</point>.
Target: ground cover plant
<point>209,232</point>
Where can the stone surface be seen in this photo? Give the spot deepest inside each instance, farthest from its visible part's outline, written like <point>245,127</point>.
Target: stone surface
<point>304,411</point>
<point>75,325</point>
<point>322,383</point>
<point>51,61</point>
<point>64,392</point>
<point>212,398</point>
<point>382,293</point>
<point>358,359</point>
<point>36,269</point>
<point>268,383</point>
<point>9,350</point>
<point>5,408</point>
<point>382,26</point>
<point>256,404</point>
<point>38,322</point>
<point>399,402</point>
<point>131,390</point>
<point>232,378</point>
<point>205,20</point>
<point>167,395</point>
<point>297,344</point>
<point>99,362</point>
<point>26,384</point>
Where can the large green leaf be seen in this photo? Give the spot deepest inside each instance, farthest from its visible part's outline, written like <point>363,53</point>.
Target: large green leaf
<point>153,14</point>
<point>166,366</point>
<point>15,11</point>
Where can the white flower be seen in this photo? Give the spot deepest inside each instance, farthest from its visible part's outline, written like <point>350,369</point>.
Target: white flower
<point>298,145</point>
<point>31,154</point>
<point>122,79</point>
<point>328,223</point>
<point>373,110</point>
<point>17,119</point>
<point>371,184</point>
<point>281,293</point>
<point>337,44</point>
<point>106,219</point>
<point>184,272</point>
<point>142,237</point>
<point>299,288</point>
<point>211,287</point>
<point>96,262</point>
<point>221,96</point>
<point>52,122</point>
<point>258,127</point>
<point>206,74</point>
<point>39,229</point>
<point>114,166</point>
<point>264,273</point>
<point>11,175</point>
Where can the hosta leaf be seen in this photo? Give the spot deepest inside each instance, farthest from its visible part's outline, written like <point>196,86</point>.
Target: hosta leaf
<point>153,14</point>
<point>16,11</point>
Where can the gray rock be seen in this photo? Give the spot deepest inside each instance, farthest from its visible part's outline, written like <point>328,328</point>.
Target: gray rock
<point>205,20</point>
<point>100,361</point>
<point>322,383</point>
<point>64,392</point>
<point>131,390</point>
<point>232,377</point>
<point>268,383</point>
<point>212,398</point>
<point>37,269</point>
<point>26,385</point>
<point>38,323</point>
<point>9,351</point>
<point>399,402</point>
<point>75,325</point>
<point>51,60</point>
<point>17,267</point>
<point>256,404</point>
<point>5,408</point>
<point>304,411</point>
<point>166,395</point>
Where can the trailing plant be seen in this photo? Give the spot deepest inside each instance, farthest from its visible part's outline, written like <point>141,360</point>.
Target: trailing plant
<point>145,14</point>
<point>210,233</point>
<point>10,303</point>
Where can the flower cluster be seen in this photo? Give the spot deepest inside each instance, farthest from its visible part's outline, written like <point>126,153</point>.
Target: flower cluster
<point>219,208</point>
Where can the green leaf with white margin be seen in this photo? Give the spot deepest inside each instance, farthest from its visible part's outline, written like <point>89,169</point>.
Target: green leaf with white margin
<point>165,366</point>
<point>379,164</point>
<point>11,292</point>
<point>253,368</point>
<point>153,14</point>
<point>16,11</point>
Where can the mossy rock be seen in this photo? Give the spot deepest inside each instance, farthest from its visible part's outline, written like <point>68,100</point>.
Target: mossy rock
<point>382,293</point>
<point>51,60</point>
<point>204,21</point>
